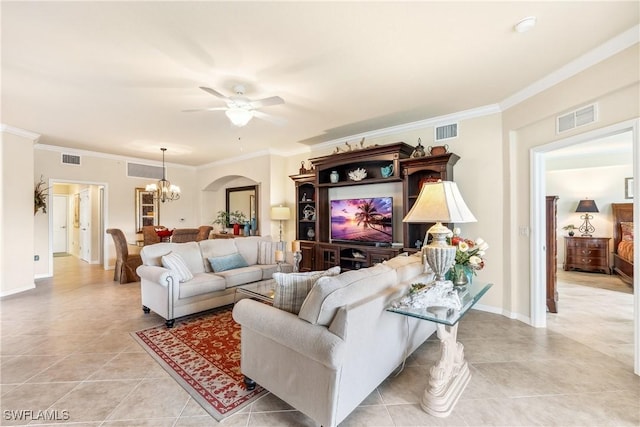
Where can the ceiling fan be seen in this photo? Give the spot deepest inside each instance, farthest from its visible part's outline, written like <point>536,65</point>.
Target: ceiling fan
<point>240,109</point>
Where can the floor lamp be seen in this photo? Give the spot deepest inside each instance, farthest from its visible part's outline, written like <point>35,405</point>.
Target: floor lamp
<point>280,213</point>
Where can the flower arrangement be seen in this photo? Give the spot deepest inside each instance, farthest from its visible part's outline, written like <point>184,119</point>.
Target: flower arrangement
<point>469,255</point>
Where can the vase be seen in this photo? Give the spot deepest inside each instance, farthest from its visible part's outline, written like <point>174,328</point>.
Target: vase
<point>460,278</point>
<point>460,275</point>
<point>334,177</point>
<point>236,229</point>
<point>247,228</point>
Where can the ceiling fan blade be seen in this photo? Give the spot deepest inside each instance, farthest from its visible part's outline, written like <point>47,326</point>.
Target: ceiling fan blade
<point>191,110</point>
<point>274,100</point>
<point>269,118</point>
<point>213,92</point>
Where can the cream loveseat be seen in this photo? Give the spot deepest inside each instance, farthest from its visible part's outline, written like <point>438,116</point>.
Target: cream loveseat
<point>327,359</point>
<point>164,293</point>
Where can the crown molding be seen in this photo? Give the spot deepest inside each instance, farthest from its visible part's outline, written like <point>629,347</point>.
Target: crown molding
<point>20,132</point>
<point>604,51</point>
<point>411,126</point>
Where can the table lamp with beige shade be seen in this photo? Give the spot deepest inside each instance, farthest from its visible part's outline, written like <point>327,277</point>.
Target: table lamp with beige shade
<point>439,202</point>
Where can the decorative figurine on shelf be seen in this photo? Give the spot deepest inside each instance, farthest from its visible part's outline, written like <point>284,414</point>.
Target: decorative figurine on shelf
<point>334,177</point>
<point>418,244</point>
<point>419,150</point>
<point>311,233</point>
<point>309,213</point>
<point>302,168</point>
<point>438,150</point>
<point>387,171</point>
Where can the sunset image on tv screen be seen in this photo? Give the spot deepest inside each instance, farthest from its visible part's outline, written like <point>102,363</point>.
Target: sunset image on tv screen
<point>362,220</point>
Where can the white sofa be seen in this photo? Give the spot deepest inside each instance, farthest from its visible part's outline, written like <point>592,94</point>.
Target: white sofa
<point>327,359</point>
<point>163,293</point>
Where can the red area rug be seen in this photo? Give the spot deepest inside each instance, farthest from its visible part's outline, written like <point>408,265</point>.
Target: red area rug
<point>202,353</point>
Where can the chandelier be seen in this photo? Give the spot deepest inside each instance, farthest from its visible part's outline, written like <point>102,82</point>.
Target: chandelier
<point>164,190</point>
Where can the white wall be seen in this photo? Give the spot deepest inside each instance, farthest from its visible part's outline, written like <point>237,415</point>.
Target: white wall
<point>16,211</point>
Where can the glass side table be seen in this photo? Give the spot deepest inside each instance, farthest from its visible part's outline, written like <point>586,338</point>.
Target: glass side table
<point>450,375</point>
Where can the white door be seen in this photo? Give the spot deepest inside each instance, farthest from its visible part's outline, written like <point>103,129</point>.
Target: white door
<point>60,223</point>
<point>85,225</point>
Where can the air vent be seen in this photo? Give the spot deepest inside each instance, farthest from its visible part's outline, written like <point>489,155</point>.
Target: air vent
<point>71,159</point>
<point>446,131</point>
<point>580,117</point>
<point>137,170</point>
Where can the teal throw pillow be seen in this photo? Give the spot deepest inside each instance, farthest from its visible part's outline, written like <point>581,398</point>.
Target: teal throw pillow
<point>227,262</point>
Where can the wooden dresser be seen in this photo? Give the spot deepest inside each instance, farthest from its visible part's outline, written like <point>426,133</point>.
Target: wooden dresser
<point>587,253</point>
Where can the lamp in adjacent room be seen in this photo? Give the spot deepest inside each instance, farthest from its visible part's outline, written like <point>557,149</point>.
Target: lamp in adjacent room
<point>439,202</point>
<point>164,190</point>
<point>586,206</point>
<point>280,213</point>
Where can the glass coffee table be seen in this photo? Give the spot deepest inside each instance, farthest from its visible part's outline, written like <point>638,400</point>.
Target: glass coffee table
<point>263,290</point>
<point>450,375</point>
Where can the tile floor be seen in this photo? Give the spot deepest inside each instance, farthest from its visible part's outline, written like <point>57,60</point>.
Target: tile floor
<point>65,347</point>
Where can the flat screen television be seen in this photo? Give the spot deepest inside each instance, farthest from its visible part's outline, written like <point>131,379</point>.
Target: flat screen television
<point>365,221</point>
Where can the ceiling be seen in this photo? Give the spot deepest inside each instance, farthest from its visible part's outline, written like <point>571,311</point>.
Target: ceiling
<point>115,77</point>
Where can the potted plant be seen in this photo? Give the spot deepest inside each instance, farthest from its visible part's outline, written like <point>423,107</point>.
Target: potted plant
<point>40,197</point>
<point>222,219</point>
<point>236,218</point>
<point>570,227</point>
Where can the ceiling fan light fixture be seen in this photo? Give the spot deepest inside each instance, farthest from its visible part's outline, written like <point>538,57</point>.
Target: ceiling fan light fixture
<point>239,116</point>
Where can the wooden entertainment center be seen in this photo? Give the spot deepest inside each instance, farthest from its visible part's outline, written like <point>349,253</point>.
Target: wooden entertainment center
<point>383,164</point>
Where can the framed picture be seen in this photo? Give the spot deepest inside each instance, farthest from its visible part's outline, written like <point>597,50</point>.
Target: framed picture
<point>628,188</point>
<point>147,209</point>
<point>76,210</point>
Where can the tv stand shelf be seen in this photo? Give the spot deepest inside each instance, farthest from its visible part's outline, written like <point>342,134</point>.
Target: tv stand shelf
<point>372,159</point>
<point>352,257</point>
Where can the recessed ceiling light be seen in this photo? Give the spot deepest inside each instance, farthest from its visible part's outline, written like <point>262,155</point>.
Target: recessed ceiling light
<point>525,24</point>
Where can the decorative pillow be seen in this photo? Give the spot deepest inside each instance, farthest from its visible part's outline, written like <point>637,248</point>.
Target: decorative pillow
<point>627,230</point>
<point>227,262</point>
<point>267,252</point>
<point>175,263</point>
<point>292,288</point>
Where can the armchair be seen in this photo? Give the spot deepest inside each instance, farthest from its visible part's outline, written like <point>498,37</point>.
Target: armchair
<point>182,235</point>
<point>149,234</point>
<point>203,232</point>
<point>126,264</point>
